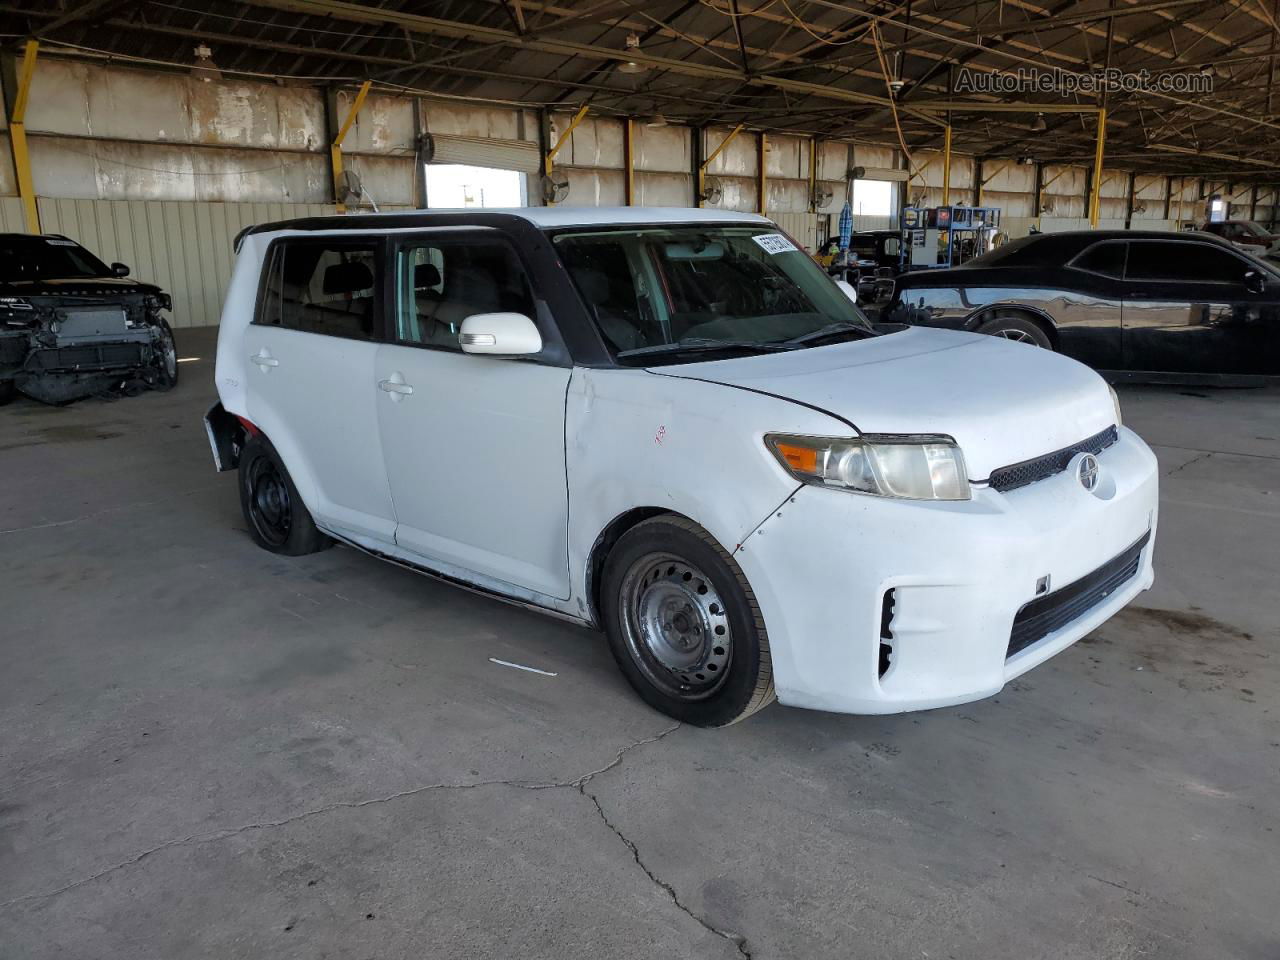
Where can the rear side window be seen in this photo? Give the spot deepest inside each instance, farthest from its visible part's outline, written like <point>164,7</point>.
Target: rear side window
<point>1182,262</point>
<point>325,288</point>
<point>1104,258</point>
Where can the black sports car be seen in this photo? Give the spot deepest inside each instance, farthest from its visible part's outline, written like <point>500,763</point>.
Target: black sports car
<point>71,327</point>
<point>1142,304</point>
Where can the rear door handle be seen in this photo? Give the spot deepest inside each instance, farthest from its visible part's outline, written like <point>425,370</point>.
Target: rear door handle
<point>264,359</point>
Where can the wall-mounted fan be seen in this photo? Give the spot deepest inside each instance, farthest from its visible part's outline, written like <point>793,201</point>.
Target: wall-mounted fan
<point>350,189</point>
<point>856,173</point>
<point>555,186</point>
<point>821,196</point>
<point>712,191</point>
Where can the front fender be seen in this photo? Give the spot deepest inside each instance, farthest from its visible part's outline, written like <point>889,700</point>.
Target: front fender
<point>639,440</point>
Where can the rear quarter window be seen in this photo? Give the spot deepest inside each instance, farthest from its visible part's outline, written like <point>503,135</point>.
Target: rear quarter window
<point>328,288</point>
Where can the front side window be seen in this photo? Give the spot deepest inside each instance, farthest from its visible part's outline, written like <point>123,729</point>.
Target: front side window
<point>441,282</point>
<point>1172,260</point>
<point>668,287</point>
<point>321,288</point>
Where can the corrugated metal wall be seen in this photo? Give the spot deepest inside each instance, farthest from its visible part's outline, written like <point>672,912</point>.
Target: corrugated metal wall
<point>183,246</point>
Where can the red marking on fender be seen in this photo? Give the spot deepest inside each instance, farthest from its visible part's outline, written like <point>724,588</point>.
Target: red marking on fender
<point>660,435</point>
<point>252,430</point>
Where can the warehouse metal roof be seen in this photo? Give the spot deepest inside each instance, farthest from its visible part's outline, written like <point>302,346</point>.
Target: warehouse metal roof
<point>883,72</point>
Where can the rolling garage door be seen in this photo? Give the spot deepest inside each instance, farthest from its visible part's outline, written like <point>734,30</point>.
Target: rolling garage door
<point>519,155</point>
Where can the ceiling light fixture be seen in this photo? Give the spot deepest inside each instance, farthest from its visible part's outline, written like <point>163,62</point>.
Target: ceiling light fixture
<point>1038,124</point>
<point>657,120</point>
<point>204,68</point>
<point>631,66</point>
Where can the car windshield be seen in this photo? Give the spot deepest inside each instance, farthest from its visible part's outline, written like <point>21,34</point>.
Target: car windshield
<point>682,292</point>
<point>24,257</point>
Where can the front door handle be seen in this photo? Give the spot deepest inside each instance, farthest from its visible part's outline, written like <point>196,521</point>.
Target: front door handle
<point>264,359</point>
<point>395,386</point>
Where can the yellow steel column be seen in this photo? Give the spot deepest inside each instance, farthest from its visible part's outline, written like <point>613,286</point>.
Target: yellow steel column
<point>813,174</point>
<point>628,150</point>
<point>18,137</point>
<point>702,169</point>
<point>946,167</point>
<point>763,163</point>
<point>1096,201</point>
<point>335,149</point>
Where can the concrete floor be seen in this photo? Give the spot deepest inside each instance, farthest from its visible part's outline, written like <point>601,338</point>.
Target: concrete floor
<point>208,751</point>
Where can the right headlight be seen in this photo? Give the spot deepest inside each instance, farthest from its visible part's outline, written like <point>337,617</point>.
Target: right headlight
<point>908,467</point>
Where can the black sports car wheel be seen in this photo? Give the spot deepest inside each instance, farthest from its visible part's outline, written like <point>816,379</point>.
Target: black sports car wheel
<point>1019,329</point>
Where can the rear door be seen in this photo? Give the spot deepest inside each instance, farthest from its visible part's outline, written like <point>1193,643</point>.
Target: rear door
<point>311,386</point>
<point>474,445</point>
<point>1189,309</point>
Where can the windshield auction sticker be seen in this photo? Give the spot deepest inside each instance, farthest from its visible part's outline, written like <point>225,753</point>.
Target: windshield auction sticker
<point>773,243</point>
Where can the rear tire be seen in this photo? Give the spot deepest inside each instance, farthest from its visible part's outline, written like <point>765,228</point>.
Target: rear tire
<point>277,518</point>
<point>683,624</point>
<point>8,390</point>
<point>1018,328</point>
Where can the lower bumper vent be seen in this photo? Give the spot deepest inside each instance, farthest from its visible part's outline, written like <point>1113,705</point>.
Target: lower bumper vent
<point>1043,615</point>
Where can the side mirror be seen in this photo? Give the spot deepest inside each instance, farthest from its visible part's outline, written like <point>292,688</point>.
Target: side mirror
<point>120,269</point>
<point>1254,282</point>
<point>500,334</point>
<point>848,289</point>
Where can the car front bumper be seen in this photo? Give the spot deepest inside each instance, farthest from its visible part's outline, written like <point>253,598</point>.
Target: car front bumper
<point>959,573</point>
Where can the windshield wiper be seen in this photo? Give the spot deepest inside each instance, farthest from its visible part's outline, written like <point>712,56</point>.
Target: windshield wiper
<point>830,330</point>
<point>703,345</point>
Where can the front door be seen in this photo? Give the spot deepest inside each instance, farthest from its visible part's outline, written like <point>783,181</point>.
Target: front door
<point>310,352</point>
<point>474,446</point>
<point>1188,309</point>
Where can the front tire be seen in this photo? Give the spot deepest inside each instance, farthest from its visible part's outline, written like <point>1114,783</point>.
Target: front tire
<point>1018,328</point>
<point>166,350</point>
<point>278,519</point>
<point>683,624</point>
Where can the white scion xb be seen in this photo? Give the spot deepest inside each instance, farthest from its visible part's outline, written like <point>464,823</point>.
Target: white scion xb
<point>671,424</point>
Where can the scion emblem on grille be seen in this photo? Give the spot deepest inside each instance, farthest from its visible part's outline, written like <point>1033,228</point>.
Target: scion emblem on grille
<point>1088,471</point>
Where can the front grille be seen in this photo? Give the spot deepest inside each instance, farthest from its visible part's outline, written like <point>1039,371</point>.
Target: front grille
<point>1043,615</point>
<point>1041,468</point>
<point>105,357</point>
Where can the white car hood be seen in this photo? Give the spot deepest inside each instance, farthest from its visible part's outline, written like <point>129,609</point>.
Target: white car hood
<point>1003,402</point>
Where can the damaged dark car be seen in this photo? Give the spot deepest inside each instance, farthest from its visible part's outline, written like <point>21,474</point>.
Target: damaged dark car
<point>73,327</point>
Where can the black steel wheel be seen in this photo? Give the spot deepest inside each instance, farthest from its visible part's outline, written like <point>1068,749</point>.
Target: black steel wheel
<point>278,519</point>
<point>684,625</point>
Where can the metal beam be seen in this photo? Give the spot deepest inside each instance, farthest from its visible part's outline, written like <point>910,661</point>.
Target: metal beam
<point>549,160</point>
<point>18,135</point>
<point>629,158</point>
<point>702,167</point>
<point>1096,205</point>
<point>946,167</point>
<point>762,168</point>
<point>335,148</point>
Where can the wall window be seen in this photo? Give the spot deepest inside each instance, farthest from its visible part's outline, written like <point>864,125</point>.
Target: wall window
<point>321,288</point>
<point>442,282</point>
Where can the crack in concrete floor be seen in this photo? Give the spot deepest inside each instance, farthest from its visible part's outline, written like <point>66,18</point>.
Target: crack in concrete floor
<point>578,784</point>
